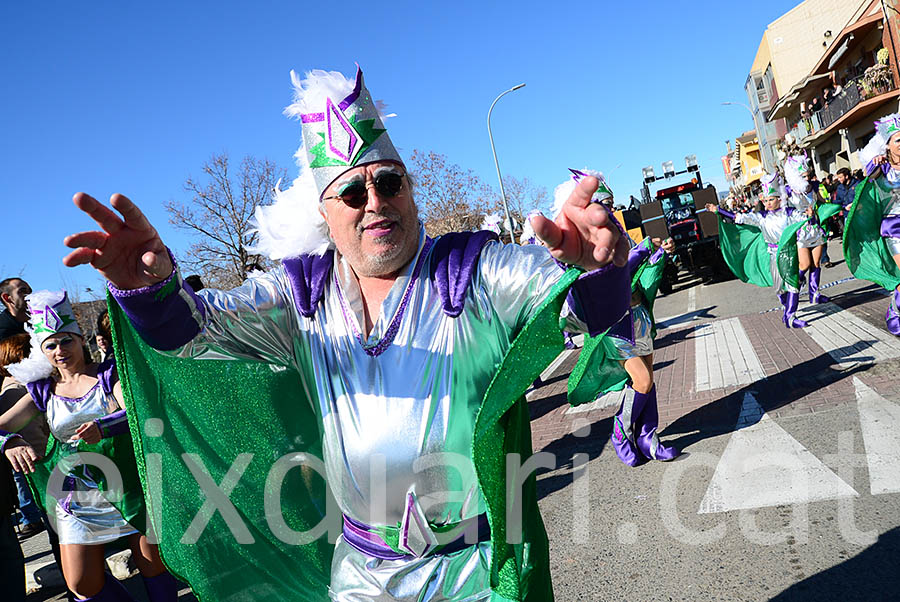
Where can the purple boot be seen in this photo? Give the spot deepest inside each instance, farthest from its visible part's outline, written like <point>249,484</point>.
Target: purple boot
<point>112,591</point>
<point>162,588</point>
<point>893,314</point>
<point>814,295</point>
<point>646,424</point>
<point>801,282</point>
<point>790,302</point>
<point>623,433</point>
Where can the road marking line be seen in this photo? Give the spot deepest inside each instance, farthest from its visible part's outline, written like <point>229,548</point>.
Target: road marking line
<point>692,300</point>
<point>879,420</point>
<point>847,338</point>
<point>724,356</point>
<point>763,465</point>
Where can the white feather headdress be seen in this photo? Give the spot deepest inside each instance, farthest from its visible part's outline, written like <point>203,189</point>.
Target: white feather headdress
<point>342,127</point>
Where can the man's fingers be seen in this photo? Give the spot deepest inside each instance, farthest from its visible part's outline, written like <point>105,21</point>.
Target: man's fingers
<point>78,257</point>
<point>620,257</point>
<point>99,212</point>
<point>546,230</point>
<point>133,216</point>
<point>584,190</point>
<point>91,240</point>
<point>156,264</point>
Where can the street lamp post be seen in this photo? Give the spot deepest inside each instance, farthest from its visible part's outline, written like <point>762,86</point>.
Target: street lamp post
<point>509,221</point>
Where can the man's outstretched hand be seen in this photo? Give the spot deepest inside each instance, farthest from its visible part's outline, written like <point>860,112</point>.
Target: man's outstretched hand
<point>583,233</point>
<point>128,252</point>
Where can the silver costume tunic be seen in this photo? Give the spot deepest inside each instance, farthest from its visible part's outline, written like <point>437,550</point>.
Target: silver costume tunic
<point>643,336</point>
<point>810,235</point>
<point>398,407</point>
<point>772,224</point>
<point>84,516</point>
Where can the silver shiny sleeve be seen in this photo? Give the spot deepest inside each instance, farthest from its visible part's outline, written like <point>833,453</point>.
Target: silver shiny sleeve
<point>751,218</point>
<point>255,321</point>
<point>517,279</point>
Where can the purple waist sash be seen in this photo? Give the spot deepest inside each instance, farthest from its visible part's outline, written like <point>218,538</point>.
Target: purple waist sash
<point>890,226</point>
<point>363,538</point>
<point>772,245</point>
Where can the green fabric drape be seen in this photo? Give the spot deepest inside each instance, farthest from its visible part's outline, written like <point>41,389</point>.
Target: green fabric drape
<point>221,415</point>
<point>867,256</point>
<point>745,252</point>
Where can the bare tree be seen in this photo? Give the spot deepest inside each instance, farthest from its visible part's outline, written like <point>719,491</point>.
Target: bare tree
<point>450,198</point>
<point>523,196</point>
<point>219,217</point>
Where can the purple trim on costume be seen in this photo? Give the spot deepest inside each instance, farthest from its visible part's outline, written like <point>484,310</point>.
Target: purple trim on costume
<point>892,317</point>
<point>40,391</point>
<point>772,245</point>
<point>601,297</point>
<point>107,374</point>
<point>657,255</point>
<point>82,398</point>
<point>624,328</point>
<point>113,424</point>
<point>331,112</point>
<point>454,258</point>
<point>362,539</point>
<point>5,438</point>
<point>871,168</point>
<point>394,326</point>
<point>787,189</point>
<point>163,314</point>
<point>890,226</point>
<point>637,255</point>
<point>726,213</point>
<point>312,117</point>
<point>308,275</point>
<point>357,88</point>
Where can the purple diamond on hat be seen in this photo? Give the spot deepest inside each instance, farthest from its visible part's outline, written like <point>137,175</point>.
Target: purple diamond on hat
<point>51,319</point>
<point>342,141</point>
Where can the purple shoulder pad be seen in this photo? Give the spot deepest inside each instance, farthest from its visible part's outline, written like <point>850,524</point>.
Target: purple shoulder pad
<point>454,259</point>
<point>308,275</point>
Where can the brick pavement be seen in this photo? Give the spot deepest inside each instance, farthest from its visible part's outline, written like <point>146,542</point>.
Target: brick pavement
<point>801,378</point>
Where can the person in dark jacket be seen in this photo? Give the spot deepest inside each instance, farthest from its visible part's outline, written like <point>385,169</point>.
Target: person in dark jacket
<point>846,187</point>
<point>12,562</point>
<point>15,313</point>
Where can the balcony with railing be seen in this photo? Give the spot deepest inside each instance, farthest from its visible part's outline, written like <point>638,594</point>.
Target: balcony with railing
<point>854,93</point>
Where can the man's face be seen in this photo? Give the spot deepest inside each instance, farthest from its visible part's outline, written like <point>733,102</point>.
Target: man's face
<point>15,299</point>
<point>841,178</point>
<point>772,203</point>
<point>373,223</point>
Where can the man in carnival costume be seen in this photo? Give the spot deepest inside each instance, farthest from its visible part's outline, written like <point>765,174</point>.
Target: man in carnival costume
<point>762,248</point>
<point>406,360</point>
<point>623,356</point>
<point>872,228</point>
<point>801,194</point>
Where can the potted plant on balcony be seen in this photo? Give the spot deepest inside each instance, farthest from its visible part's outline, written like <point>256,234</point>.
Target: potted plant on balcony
<point>878,78</point>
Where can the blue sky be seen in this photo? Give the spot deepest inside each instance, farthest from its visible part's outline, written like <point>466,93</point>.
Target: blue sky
<point>118,97</point>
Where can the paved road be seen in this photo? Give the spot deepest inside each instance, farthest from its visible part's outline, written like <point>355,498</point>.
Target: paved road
<point>790,487</point>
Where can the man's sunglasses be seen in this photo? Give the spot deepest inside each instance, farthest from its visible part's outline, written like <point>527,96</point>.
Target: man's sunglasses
<point>356,195</point>
<point>63,342</point>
